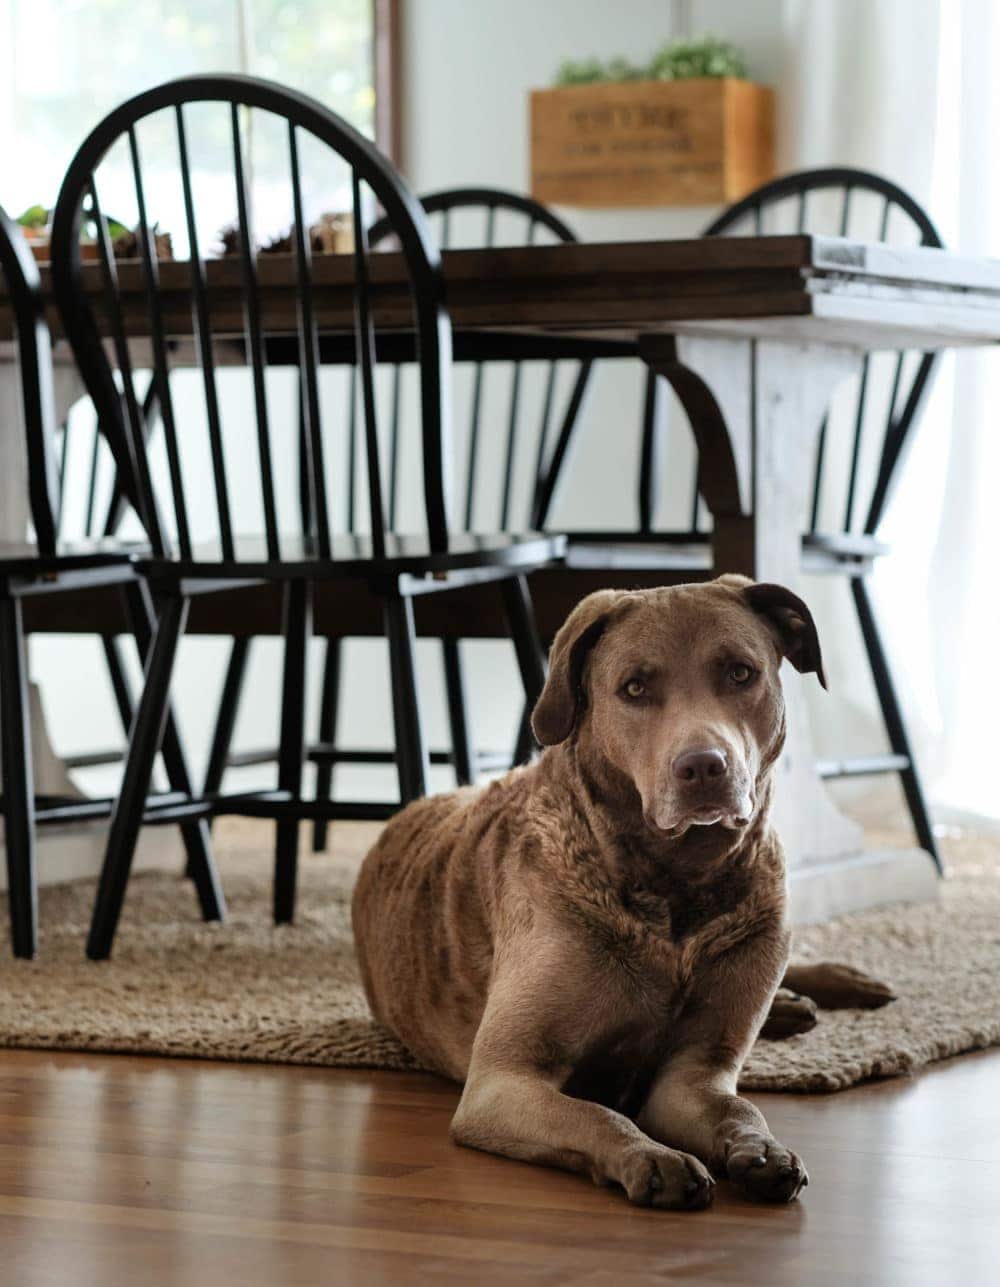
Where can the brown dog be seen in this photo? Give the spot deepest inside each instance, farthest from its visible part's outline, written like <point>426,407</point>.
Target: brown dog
<point>593,943</point>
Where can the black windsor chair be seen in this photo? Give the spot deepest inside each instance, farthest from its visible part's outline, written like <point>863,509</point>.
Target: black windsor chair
<point>395,567</point>
<point>46,567</point>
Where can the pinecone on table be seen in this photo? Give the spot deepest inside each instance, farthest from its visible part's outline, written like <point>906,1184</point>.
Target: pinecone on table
<point>229,240</point>
<point>126,245</point>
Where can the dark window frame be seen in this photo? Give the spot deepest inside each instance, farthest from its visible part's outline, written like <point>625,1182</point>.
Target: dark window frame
<point>386,72</point>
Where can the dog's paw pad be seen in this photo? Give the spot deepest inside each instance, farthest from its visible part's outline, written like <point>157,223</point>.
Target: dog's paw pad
<point>764,1171</point>
<point>660,1177</point>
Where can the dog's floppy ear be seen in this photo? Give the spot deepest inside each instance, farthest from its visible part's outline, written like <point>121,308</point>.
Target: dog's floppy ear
<point>556,711</point>
<point>792,622</point>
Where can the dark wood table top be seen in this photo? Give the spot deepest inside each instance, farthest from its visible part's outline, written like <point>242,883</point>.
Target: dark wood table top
<point>807,288</point>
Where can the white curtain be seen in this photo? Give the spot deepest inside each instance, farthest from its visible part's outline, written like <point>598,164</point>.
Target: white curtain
<point>908,88</point>
<point>858,86</point>
<point>962,591</point>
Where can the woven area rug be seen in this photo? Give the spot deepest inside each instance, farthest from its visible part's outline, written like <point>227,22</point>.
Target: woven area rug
<point>249,991</point>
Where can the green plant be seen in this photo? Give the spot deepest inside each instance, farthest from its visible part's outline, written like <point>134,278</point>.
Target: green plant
<point>621,69</point>
<point>34,217</point>
<point>679,60</point>
<point>676,60</point>
<point>586,72</point>
<point>38,217</point>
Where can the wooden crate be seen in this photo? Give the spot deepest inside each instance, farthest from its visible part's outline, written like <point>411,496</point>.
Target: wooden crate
<point>651,143</point>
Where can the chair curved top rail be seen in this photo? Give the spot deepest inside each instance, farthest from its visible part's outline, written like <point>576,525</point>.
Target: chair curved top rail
<point>24,286</point>
<point>267,96</point>
<point>123,425</point>
<point>847,177</point>
<point>17,262</point>
<point>447,199</point>
<point>499,199</point>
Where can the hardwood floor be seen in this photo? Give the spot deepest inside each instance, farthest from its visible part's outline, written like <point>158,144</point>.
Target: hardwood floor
<point>146,1171</point>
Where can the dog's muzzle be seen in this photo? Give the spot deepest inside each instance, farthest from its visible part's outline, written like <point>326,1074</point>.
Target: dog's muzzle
<point>703,789</point>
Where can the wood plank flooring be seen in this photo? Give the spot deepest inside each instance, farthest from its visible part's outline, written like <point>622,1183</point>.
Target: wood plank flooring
<point>146,1171</point>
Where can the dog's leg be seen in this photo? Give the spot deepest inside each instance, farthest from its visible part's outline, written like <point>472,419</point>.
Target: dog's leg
<point>837,987</point>
<point>789,1015</point>
<point>516,1113</point>
<point>512,1105</point>
<point>693,1103</point>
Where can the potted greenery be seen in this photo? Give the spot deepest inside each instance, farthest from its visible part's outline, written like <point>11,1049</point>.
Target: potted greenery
<point>688,128</point>
<point>35,224</point>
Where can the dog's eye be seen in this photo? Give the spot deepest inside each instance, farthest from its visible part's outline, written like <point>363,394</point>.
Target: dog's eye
<point>740,673</point>
<point>634,688</point>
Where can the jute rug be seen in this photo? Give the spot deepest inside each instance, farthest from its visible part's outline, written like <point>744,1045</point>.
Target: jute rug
<point>248,991</point>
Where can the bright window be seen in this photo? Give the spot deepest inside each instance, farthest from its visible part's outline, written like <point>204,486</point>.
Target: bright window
<point>65,63</point>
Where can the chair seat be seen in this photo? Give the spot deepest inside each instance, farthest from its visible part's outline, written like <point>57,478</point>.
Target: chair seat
<point>842,547</point>
<point>21,558</point>
<point>647,555</point>
<point>692,551</point>
<point>354,555</point>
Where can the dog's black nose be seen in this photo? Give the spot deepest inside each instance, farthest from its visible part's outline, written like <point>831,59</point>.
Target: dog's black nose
<point>700,766</point>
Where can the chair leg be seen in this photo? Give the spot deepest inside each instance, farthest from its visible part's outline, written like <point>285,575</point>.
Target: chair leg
<point>18,782</point>
<point>119,683</point>
<point>200,867</point>
<point>530,656</point>
<point>329,704</point>
<point>892,715</point>
<point>291,752</point>
<point>225,719</point>
<point>524,745</point>
<point>144,742</point>
<point>461,739</point>
<point>411,752</point>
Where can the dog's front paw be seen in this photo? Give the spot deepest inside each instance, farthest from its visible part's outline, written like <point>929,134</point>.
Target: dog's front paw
<point>789,1015</point>
<point>653,1176</point>
<point>764,1170</point>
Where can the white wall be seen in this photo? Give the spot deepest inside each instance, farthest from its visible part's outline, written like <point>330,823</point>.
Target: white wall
<point>467,70</point>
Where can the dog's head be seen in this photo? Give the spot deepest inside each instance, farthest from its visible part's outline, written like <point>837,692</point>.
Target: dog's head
<point>678,690</point>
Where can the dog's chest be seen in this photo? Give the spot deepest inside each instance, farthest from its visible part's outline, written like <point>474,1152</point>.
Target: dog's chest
<point>649,945</point>
<point>647,963</point>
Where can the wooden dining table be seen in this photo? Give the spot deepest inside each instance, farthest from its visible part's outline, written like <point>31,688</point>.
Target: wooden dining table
<point>755,334</point>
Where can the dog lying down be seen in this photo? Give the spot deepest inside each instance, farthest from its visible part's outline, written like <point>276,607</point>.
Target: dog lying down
<point>593,942</point>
